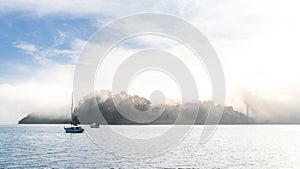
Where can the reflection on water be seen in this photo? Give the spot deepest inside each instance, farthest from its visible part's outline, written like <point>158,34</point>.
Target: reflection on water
<point>255,146</point>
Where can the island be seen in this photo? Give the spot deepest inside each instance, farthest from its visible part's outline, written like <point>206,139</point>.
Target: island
<point>103,101</point>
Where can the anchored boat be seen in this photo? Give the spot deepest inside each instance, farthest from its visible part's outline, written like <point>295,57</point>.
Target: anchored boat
<point>74,128</point>
<point>94,125</point>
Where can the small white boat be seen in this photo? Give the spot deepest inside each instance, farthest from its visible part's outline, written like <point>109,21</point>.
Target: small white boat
<point>94,125</point>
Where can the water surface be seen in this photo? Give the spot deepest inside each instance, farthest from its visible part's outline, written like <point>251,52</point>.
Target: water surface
<point>231,146</point>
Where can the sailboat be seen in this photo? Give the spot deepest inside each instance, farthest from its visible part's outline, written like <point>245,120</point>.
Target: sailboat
<point>74,128</point>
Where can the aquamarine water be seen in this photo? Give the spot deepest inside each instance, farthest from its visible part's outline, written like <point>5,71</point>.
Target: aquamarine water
<point>239,146</point>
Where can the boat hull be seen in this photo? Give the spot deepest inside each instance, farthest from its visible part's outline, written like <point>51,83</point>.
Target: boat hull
<point>74,130</point>
<point>94,125</point>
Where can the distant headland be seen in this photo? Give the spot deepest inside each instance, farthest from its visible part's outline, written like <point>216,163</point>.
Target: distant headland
<point>36,118</point>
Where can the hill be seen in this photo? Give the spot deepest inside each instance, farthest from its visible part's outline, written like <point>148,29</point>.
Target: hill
<point>88,111</point>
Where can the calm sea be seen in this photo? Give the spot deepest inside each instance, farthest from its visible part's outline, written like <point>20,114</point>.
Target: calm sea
<point>238,146</point>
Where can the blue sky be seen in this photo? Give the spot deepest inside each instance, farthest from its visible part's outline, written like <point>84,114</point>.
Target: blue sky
<point>44,33</point>
<point>57,27</point>
<point>40,41</point>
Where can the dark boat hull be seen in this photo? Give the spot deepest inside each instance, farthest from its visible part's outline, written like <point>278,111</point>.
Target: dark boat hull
<point>74,129</point>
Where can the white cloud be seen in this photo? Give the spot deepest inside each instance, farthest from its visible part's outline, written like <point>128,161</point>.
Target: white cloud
<point>26,46</point>
<point>257,44</point>
<point>48,90</point>
<point>47,55</point>
<point>40,55</point>
<point>59,39</point>
<point>121,52</point>
<point>91,8</point>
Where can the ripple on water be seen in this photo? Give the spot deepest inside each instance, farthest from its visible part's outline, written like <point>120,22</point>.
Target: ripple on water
<point>230,147</point>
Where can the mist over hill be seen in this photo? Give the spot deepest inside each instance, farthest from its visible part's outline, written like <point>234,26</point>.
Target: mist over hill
<point>38,118</point>
<point>115,108</point>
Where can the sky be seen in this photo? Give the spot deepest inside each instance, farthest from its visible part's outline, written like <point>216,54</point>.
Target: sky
<point>256,41</point>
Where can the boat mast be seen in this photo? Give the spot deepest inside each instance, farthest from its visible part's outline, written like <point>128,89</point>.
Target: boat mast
<point>71,111</point>
<point>72,106</point>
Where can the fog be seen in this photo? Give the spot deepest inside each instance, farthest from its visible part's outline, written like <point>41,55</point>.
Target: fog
<point>127,109</point>
<point>272,105</point>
